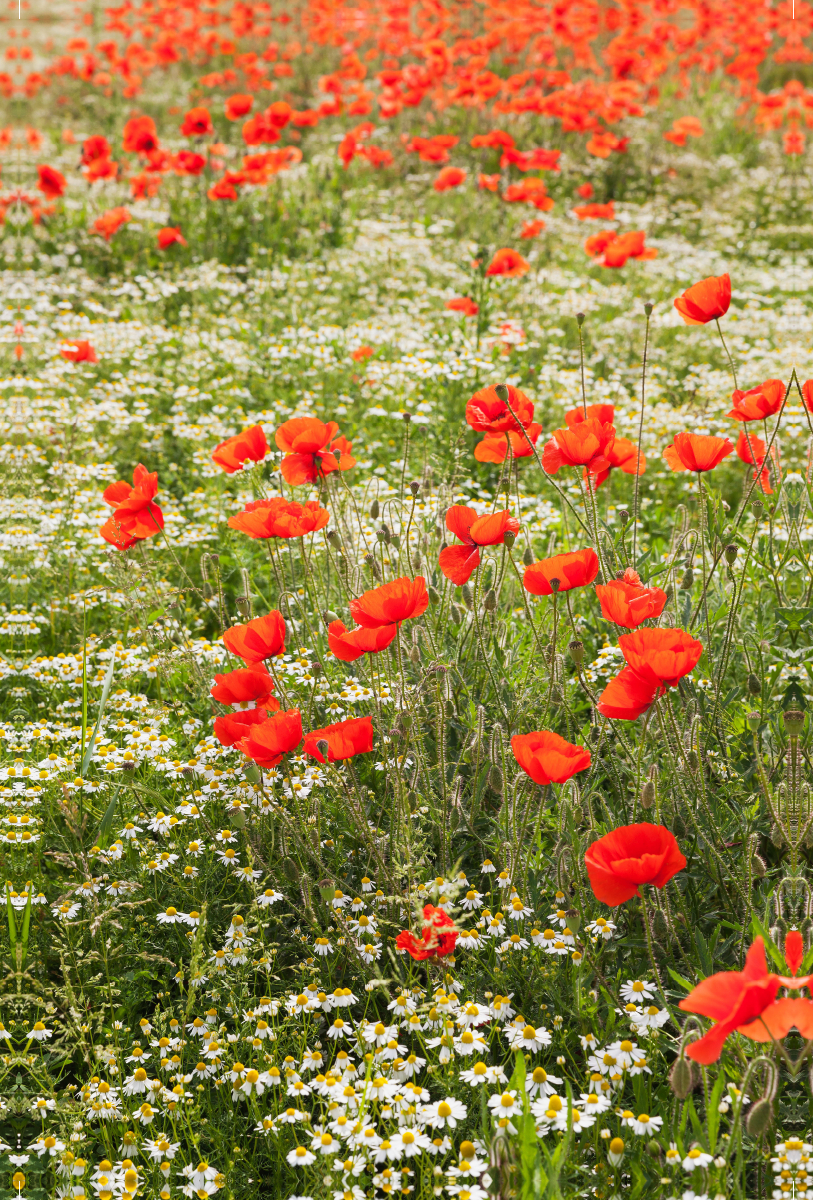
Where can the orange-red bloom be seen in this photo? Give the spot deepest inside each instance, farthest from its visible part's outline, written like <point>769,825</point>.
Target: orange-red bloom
<point>140,136</point>
<point>509,263</point>
<point>576,569</point>
<point>312,450</point>
<point>437,939</point>
<point>256,640</point>
<point>246,685</point>
<point>52,183</point>
<point>348,645</point>
<point>626,602</point>
<point>705,301</point>
<point>237,107</point>
<point>758,402</point>
<point>458,563</point>
<point>267,742</point>
<point>169,235</point>
<point>548,758</point>
<point>494,446</point>
<point>618,863</point>
<point>135,516</point>
<point>111,221</point>
<point>464,305</point>
<point>696,452</point>
<point>197,123</point>
<point>487,413</point>
<point>627,695</point>
<point>656,660</point>
<point>75,351</point>
<point>754,455</point>
<point>344,740</point>
<point>234,726</point>
<point>595,212</point>
<point>401,600</point>
<point>280,518</point>
<point>732,999</point>
<point>250,445</point>
<point>587,445</point>
<point>449,177</point>
<point>94,148</point>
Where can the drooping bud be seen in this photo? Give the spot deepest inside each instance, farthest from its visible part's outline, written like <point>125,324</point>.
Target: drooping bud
<point>527,556</point>
<point>754,685</point>
<point>680,1078</point>
<point>468,597</point>
<point>291,870</point>
<point>490,601</point>
<point>760,1118</point>
<point>648,794</point>
<point>434,595</point>
<point>374,509</point>
<point>495,780</point>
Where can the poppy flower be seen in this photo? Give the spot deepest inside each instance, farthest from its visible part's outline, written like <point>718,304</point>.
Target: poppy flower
<point>437,939</point>
<point>458,563</point>
<point>187,162</point>
<point>604,413</point>
<point>197,123</point>
<point>754,455</point>
<point>168,236</point>
<point>234,726</point>
<point>758,402</point>
<point>488,183</point>
<point>111,221</point>
<point>495,139</point>
<point>52,183</point>
<point>448,178</point>
<point>224,189</point>
<point>663,655</point>
<point>361,352</point>
<point>807,394</point>
<point>280,518</point>
<point>135,515</point>
<point>532,229</point>
<point>101,168</point>
<point>618,863</point>
<point>595,212</point>
<point>488,413</point>
<point>401,600</point>
<point>509,263</point>
<point>585,190</point>
<point>348,645</point>
<point>246,685</point>
<point>548,758</point>
<point>344,740</point>
<point>75,351</point>
<point>627,696</point>
<point>310,450</point>
<point>696,452</point>
<point>250,445</point>
<point>575,569</point>
<point>585,445</point>
<point>789,1012</point>
<point>705,301</point>
<point>237,107</point>
<point>464,305</point>
<point>626,602</point>
<point>266,742</point>
<point>256,640</point>
<point>113,533</point>
<point>140,136</point>
<point>494,446</point>
<point>94,148</point>
<point>732,999</point>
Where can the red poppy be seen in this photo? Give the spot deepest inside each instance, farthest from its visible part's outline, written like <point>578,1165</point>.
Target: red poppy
<point>585,190</point>
<point>224,189</point>
<point>266,743</point>
<point>587,445</point>
<point>401,600</point>
<point>111,221</point>
<point>349,645</point>
<point>186,162</point>
<point>758,402</point>
<point>548,758</point>
<point>310,450</point>
<point>618,863</point>
<point>509,263</point>
<point>494,446</point>
<point>532,229</point>
<point>807,394</point>
<point>789,1012</point>
<point>662,655</point>
<point>754,455</point>
<point>280,518</point>
<point>576,569</point>
<point>437,939</point>
<point>140,136</point>
<point>627,695</point>
<point>488,183</point>
<point>52,183</point>
<point>495,139</point>
<point>101,168</point>
<point>135,516</point>
<point>361,352</point>
<point>94,148</point>
<point>622,454</point>
<point>486,412</point>
<point>250,445</point>
<point>262,638</point>
<point>344,740</point>
<point>458,563</point>
<point>197,123</point>
<point>595,212</point>
<point>237,107</point>
<point>75,351</point>
<point>696,452</point>
<point>169,235</point>
<point>626,602</point>
<point>464,305</point>
<point>234,726</point>
<point>732,999</point>
<point>246,685</point>
<point>705,301</point>
<point>603,413</point>
<point>449,177</point>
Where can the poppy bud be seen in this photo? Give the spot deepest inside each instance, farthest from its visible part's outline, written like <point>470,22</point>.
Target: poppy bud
<point>291,870</point>
<point>412,801</point>
<point>449,709</point>
<point>406,721</point>
<point>652,1147</point>
<point>758,508</point>
<point>580,319</point>
<point>490,601</point>
<point>680,1078</point>
<point>669,592</point>
<point>794,722</point>
<point>527,556</point>
<point>416,562</point>
<point>328,616</point>
<point>648,794</point>
<point>754,685</point>
<point>406,417</point>
<point>760,1118</point>
<point>508,538</point>
<point>777,837</point>
<point>648,306</point>
<point>502,392</point>
<point>692,759</point>
<point>555,584</point>
<point>415,656</point>
<point>495,780</point>
<point>434,595</point>
<point>687,581</point>
<point>758,866</point>
<point>623,515</point>
<point>468,598</point>
<point>576,649</point>
<point>252,772</point>
<point>574,920</point>
<point>730,553</point>
<point>323,747</point>
<point>414,487</point>
<point>373,565</point>
<point>456,612</point>
<point>374,509</point>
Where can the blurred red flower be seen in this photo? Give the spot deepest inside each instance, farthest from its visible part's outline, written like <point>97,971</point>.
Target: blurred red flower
<point>140,136</point>
<point>169,235</point>
<point>464,305</point>
<point>754,455</point>
<point>458,563</point>
<point>52,183</point>
<point>111,221</point>
<point>75,351</point>
<point>449,177</point>
<point>547,757</point>
<point>509,263</point>
<point>618,863</point>
<point>237,106</point>
<point>197,123</point>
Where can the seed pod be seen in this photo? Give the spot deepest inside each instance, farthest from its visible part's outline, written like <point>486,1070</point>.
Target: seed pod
<point>680,1078</point>
<point>252,772</point>
<point>687,582</point>
<point>291,870</point>
<point>648,794</point>
<point>576,649</point>
<point>502,392</point>
<point>374,509</point>
<point>574,920</point>
<point>794,722</point>
<point>383,534</point>
<point>414,487</point>
<point>754,685</point>
<point>730,553</point>
<point>468,596</point>
<point>623,515</point>
<point>406,417</point>
<point>490,601</point>
<point>758,508</point>
<point>753,719</point>
<point>527,556</point>
<point>580,319</point>
<point>495,780</point>
<point>555,584</point>
<point>243,606</point>
<point>334,537</point>
<point>434,596</point>
<point>508,538</point>
<point>373,565</point>
<point>760,1118</point>
<point>648,306</point>
<point>329,616</point>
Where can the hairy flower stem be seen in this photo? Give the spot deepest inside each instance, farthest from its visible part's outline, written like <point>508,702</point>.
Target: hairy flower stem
<point>645,913</point>
<point>648,310</point>
<point>728,353</point>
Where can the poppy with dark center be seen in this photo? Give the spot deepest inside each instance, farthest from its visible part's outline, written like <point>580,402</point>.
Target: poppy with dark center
<point>438,936</point>
<point>458,563</point>
<point>573,570</point>
<point>312,450</point>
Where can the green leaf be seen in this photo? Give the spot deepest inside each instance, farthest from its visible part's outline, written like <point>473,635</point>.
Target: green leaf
<point>775,955</point>
<point>681,979</point>
<point>108,679</point>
